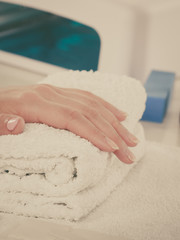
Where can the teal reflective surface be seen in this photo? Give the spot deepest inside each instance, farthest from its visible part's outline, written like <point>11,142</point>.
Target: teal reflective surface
<point>47,37</point>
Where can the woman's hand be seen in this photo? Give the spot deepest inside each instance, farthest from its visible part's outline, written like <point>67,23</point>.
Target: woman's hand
<point>78,111</point>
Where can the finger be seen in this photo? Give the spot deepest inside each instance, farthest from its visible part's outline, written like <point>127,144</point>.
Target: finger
<point>11,124</point>
<point>107,122</point>
<point>63,117</point>
<point>89,108</point>
<point>123,153</point>
<point>94,129</point>
<point>121,116</point>
<point>81,126</point>
<point>128,137</point>
<point>80,94</point>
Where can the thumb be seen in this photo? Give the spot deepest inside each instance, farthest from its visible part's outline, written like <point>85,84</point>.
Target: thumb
<point>11,124</point>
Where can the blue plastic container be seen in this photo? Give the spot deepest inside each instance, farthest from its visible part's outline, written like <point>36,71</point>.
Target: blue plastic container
<point>159,87</point>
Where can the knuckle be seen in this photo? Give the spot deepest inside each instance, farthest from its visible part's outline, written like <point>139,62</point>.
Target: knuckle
<point>115,123</point>
<point>97,133</point>
<point>92,113</point>
<point>28,96</point>
<point>43,90</point>
<point>73,115</point>
<point>93,104</point>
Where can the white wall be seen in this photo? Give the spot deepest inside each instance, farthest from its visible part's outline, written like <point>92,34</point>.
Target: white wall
<point>138,57</point>
<point>156,37</point>
<point>163,42</point>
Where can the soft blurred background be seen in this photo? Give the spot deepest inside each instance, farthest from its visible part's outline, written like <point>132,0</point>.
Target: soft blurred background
<point>126,37</point>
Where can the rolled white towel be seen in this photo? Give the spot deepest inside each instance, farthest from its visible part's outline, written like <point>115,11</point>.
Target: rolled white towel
<point>53,173</point>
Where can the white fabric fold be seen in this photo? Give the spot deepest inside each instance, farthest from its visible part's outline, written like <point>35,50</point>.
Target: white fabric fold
<point>53,173</point>
<point>146,205</point>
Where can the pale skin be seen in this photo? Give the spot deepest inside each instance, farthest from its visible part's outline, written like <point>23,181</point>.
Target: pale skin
<point>78,111</point>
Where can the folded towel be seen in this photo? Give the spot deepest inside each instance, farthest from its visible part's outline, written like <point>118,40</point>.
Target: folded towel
<point>146,205</point>
<point>53,173</point>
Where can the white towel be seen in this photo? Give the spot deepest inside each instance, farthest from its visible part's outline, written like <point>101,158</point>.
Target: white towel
<point>146,205</point>
<point>52,173</point>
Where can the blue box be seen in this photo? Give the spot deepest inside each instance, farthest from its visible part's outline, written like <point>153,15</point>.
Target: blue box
<point>159,87</point>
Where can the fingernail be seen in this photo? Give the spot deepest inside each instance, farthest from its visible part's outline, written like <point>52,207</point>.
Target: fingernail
<point>131,156</point>
<point>112,144</point>
<point>133,139</point>
<point>12,123</point>
<point>124,114</point>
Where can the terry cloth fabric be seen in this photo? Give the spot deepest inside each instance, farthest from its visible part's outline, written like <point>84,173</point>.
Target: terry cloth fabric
<point>146,205</point>
<point>53,173</point>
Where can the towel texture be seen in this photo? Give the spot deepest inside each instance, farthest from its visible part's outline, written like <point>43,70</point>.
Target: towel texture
<point>52,173</point>
<point>146,205</point>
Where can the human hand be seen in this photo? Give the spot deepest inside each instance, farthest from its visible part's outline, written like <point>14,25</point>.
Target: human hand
<point>78,111</point>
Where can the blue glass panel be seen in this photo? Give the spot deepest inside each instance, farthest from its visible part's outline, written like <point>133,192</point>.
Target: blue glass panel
<point>47,37</point>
